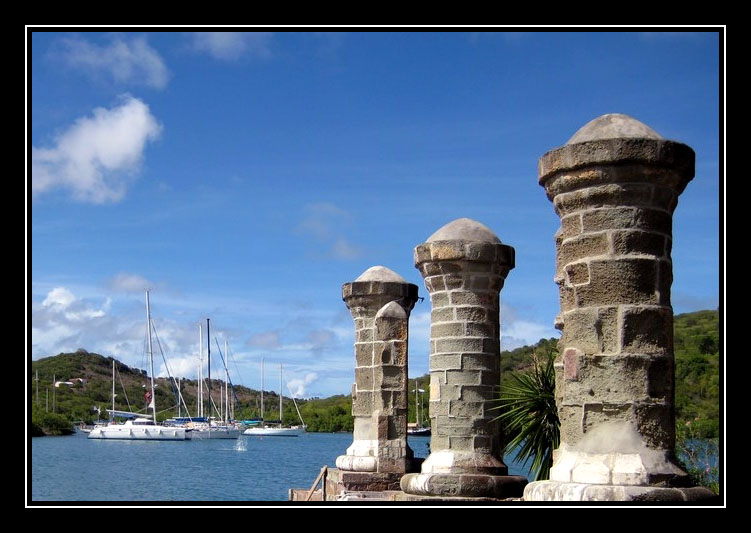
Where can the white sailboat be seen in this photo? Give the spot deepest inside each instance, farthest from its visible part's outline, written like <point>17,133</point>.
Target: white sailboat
<point>280,430</point>
<point>206,428</point>
<point>140,428</point>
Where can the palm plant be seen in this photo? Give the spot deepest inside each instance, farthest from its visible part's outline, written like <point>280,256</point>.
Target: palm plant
<point>529,417</point>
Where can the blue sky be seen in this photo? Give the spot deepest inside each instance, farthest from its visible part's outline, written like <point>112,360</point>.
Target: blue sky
<point>245,176</point>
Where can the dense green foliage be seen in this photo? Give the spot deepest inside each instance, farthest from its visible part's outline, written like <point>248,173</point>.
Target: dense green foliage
<point>328,415</point>
<point>697,372</point>
<point>45,423</point>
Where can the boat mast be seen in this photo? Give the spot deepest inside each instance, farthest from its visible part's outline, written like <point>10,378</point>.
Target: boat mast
<point>263,421</point>
<point>208,356</point>
<point>113,389</point>
<point>417,407</point>
<point>200,370</point>
<point>151,355</point>
<point>280,395</point>
<point>226,384</point>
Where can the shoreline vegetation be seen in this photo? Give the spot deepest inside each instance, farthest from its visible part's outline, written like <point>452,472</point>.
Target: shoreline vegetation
<point>84,382</point>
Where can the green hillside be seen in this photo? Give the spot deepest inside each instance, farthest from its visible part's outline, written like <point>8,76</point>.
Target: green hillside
<point>697,372</point>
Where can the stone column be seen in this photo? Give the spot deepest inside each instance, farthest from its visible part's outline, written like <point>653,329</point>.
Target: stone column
<point>615,185</point>
<point>380,302</point>
<point>464,266</point>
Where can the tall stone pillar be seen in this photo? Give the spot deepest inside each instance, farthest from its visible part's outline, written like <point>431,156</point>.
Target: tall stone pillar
<point>615,185</point>
<point>464,266</point>
<point>380,302</point>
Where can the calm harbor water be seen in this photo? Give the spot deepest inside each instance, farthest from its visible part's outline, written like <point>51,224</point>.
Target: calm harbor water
<point>249,469</point>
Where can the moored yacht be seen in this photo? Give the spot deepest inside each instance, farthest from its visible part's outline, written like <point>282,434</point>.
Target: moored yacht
<point>140,428</point>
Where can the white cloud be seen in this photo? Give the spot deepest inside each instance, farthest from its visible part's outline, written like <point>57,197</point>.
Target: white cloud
<point>59,296</point>
<point>180,367</point>
<point>97,157</point>
<point>297,387</point>
<point>62,321</point>
<point>62,301</point>
<point>230,46</point>
<point>124,61</point>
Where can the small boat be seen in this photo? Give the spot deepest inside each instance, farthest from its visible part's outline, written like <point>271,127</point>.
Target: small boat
<point>140,428</point>
<point>275,431</point>
<point>418,429</point>
<point>418,432</point>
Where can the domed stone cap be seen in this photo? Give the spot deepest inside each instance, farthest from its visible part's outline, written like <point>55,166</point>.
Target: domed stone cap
<point>613,126</point>
<point>614,140</point>
<point>380,273</point>
<point>391,310</point>
<point>464,229</point>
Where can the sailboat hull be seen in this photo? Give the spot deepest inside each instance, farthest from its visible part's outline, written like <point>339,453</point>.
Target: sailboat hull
<point>275,432</point>
<point>126,432</point>
<point>215,433</point>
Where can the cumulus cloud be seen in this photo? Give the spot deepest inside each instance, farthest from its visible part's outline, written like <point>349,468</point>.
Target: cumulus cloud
<point>124,61</point>
<point>298,387</point>
<point>64,322</point>
<point>61,321</point>
<point>230,45</point>
<point>178,367</point>
<point>97,157</point>
<point>64,302</point>
<point>59,297</point>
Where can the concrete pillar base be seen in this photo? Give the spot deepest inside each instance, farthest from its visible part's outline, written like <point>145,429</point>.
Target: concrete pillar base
<point>463,485</point>
<point>557,491</point>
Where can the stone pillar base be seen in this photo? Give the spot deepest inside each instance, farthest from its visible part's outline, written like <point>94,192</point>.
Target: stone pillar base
<point>558,491</point>
<point>338,481</point>
<point>483,486</point>
<point>355,463</point>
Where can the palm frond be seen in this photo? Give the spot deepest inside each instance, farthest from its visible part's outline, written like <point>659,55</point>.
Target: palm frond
<point>529,417</point>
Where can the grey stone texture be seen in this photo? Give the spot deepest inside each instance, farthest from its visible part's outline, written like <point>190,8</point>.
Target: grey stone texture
<point>464,266</point>
<point>380,302</point>
<point>548,491</point>
<point>615,186</point>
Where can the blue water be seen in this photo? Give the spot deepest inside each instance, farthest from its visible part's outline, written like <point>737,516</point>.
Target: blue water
<point>248,469</point>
